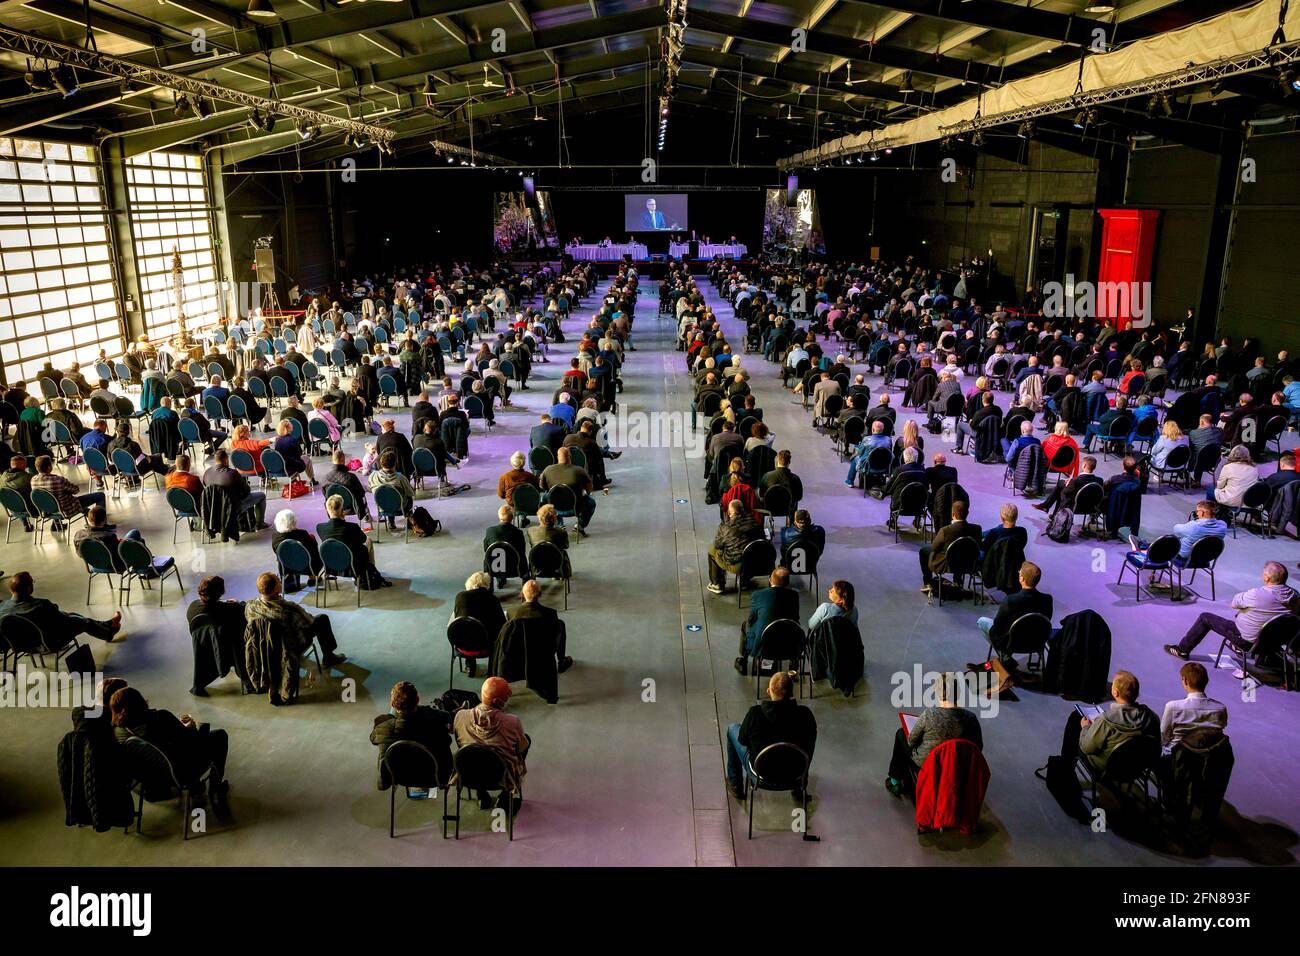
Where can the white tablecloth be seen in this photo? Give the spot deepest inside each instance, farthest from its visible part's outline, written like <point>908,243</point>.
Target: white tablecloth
<point>679,249</point>
<point>733,250</point>
<point>598,253</point>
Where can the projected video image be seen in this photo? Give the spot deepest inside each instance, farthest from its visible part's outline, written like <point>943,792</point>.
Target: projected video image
<point>654,212</point>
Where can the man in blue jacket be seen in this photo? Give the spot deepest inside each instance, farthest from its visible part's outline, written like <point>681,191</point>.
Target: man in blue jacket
<point>774,603</point>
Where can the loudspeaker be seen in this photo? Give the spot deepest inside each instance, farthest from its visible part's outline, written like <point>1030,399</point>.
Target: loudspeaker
<point>264,260</point>
<point>791,189</point>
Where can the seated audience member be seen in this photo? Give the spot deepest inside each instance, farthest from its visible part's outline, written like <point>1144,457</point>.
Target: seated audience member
<point>1008,529</point>
<point>227,615</point>
<point>97,719</point>
<point>782,476</point>
<point>910,470</point>
<point>801,529</point>
<point>242,497</point>
<point>939,473</point>
<point>1127,474</point>
<point>1196,711</point>
<point>1063,494</point>
<point>211,437</point>
<point>544,622</point>
<point>1205,525</point>
<point>1060,438</point>
<point>479,602</point>
<point>1285,474</point>
<point>191,748</point>
<point>778,720</point>
<point>864,448</point>
<point>407,720</point>
<point>838,603</point>
<point>1102,425</point>
<point>970,429</point>
<point>241,440</point>
<point>1010,449</point>
<point>736,488</point>
<point>738,530</point>
<point>340,474</point>
<point>181,477</point>
<point>584,439</point>
<point>71,502</point>
<point>933,556</point>
<point>578,480</point>
<point>1238,473</point>
<point>286,529</point>
<point>319,412</point>
<point>1125,719</point>
<point>506,531</point>
<point>1171,437</point>
<point>1207,433</point>
<point>1254,608</point>
<point>548,529</point>
<point>57,627</point>
<point>290,448</point>
<point>300,626</point>
<point>144,464</point>
<point>429,439</point>
<point>59,413</point>
<point>337,528</point>
<point>517,475</point>
<point>489,725</point>
<point>390,439</point>
<point>935,726</point>
<point>98,528</point>
<point>19,480</point>
<point>387,474</point>
<point>1028,600</point>
<point>778,601</point>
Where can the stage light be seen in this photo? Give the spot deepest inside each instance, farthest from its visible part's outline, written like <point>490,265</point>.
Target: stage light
<point>1165,107</point>
<point>1100,7</point>
<point>262,10</point>
<point>889,151</point>
<point>1289,80</point>
<point>39,81</point>
<point>65,80</point>
<point>977,139</point>
<point>1025,130</point>
<point>451,159</point>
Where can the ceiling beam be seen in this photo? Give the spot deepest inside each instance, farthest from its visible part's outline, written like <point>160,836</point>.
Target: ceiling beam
<point>1201,136</point>
<point>47,109</point>
<point>858,51</point>
<point>1011,18</point>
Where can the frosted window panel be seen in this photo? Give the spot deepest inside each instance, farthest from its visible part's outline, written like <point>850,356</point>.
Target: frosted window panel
<point>56,150</point>
<point>106,309</point>
<point>6,330</point>
<point>82,314</point>
<point>73,255</point>
<point>77,275</point>
<point>95,233</point>
<point>8,169</point>
<point>84,174</point>
<point>25,304</point>
<point>9,352</point>
<point>10,192</point>
<point>45,257</point>
<point>79,294</point>
<point>36,193</point>
<point>58,341</point>
<point>44,237</point>
<point>57,299</point>
<point>68,234</point>
<point>13,239</point>
<point>29,326</point>
<point>15,261</point>
<point>32,172</point>
<point>22,282</point>
<point>66,194</point>
<point>101,273</point>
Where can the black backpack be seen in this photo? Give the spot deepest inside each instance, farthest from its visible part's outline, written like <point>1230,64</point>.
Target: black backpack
<point>422,523</point>
<point>1058,526</point>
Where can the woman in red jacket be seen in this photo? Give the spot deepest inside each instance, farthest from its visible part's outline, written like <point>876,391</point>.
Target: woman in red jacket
<point>1055,442</point>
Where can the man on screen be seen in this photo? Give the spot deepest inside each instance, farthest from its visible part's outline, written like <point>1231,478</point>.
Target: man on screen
<point>652,218</point>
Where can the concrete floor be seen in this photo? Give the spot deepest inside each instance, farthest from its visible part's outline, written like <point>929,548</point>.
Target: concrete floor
<point>615,779</point>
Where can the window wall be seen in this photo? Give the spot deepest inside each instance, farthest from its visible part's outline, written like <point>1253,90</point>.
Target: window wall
<point>168,202</point>
<point>58,298</point>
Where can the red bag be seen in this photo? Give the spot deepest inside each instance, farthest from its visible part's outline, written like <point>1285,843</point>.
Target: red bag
<point>354,464</point>
<point>295,489</point>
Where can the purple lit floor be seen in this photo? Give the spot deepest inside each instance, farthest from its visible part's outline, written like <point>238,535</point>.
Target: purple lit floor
<point>615,778</point>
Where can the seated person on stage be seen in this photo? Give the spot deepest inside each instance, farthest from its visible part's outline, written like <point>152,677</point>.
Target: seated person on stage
<point>778,720</point>
<point>506,531</point>
<point>489,725</point>
<point>776,602</point>
<point>935,726</point>
<point>1097,739</point>
<point>340,474</point>
<point>1254,608</point>
<point>1007,529</point>
<point>407,720</point>
<point>479,602</point>
<point>97,527</point>
<point>191,748</point>
<point>802,529</point>
<point>286,529</point>
<point>1063,494</point>
<point>57,627</point>
<point>864,448</point>
<point>242,497</point>
<point>1196,711</point>
<point>933,556</point>
<point>734,534</point>
<point>301,627</point>
<point>1028,600</point>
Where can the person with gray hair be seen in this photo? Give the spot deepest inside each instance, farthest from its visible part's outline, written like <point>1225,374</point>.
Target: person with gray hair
<point>504,532</point>
<point>1254,609</point>
<point>479,602</point>
<point>912,469</point>
<point>359,546</point>
<point>936,725</point>
<point>286,529</point>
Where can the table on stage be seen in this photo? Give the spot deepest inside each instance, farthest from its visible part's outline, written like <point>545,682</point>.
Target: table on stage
<point>679,250</point>
<point>728,250</point>
<point>592,252</point>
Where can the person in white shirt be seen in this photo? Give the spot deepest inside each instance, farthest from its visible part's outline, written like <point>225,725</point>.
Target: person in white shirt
<point>1196,711</point>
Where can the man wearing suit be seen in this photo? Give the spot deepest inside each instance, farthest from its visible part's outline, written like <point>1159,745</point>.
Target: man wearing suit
<point>503,530</point>
<point>338,528</point>
<point>939,474</point>
<point>934,556</point>
<point>543,622</point>
<point>774,603</point>
<point>652,218</point>
<point>546,435</point>
<point>1028,600</point>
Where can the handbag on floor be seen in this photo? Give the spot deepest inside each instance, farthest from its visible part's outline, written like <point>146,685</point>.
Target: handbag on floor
<point>295,489</point>
<point>423,524</point>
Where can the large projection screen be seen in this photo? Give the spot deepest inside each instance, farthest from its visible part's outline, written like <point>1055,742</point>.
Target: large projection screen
<point>655,212</point>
